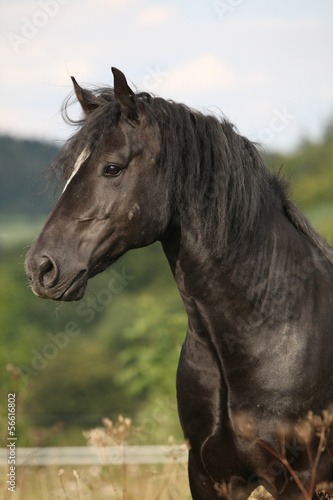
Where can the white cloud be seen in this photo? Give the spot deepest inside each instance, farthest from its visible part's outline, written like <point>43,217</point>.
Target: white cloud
<point>259,78</point>
<point>60,74</point>
<point>251,62</point>
<point>204,73</point>
<point>114,5</point>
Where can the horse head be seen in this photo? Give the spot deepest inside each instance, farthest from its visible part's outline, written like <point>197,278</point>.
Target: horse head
<point>112,200</point>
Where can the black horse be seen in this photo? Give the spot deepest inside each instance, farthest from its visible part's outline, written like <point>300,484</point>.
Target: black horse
<point>255,278</point>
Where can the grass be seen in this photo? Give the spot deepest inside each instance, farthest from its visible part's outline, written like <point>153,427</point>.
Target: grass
<point>155,482</point>
<point>149,482</point>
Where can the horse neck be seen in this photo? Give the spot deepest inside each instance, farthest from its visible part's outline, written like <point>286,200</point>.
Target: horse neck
<point>215,291</point>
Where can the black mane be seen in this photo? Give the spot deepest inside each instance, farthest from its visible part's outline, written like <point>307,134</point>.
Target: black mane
<point>212,172</point>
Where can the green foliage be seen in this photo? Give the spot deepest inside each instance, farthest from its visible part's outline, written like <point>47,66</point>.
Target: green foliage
<point>76,386</point>
<point>310,173</point>
<point>311,168</point>
<point>151,348</point>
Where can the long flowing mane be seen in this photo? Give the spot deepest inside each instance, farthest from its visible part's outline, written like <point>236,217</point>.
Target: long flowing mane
<point>212,172</point>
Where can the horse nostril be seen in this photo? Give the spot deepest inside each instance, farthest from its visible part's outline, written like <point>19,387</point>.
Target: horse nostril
<point>48,272</point>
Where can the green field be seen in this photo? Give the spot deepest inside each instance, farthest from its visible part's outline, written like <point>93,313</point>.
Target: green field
<point>19,230</point>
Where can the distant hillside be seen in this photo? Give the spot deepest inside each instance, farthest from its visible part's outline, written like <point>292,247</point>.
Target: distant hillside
<point>22,165</point>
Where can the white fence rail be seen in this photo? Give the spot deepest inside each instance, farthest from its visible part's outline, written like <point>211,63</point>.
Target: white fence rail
<point>90,455</point>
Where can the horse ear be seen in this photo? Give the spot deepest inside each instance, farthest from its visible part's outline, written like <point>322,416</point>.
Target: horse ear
<point>86,98</point>
<point>125,96</point>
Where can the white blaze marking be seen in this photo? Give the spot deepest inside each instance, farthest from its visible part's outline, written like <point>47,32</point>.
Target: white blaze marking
<point>80,160</point>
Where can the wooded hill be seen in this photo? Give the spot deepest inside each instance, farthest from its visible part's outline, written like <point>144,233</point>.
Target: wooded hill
<point>23,167</point>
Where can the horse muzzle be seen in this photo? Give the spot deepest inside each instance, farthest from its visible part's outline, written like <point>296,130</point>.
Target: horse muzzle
<point>49,281</point>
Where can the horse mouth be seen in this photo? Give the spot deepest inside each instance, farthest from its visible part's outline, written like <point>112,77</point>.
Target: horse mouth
<point>76,289</point>
<point>109,259</point>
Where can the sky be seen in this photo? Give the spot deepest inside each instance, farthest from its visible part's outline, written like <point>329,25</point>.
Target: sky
<point>265,65</point>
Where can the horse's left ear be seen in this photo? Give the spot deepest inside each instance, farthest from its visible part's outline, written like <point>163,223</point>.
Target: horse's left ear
<point>87,99</point>
<point>125,96</point>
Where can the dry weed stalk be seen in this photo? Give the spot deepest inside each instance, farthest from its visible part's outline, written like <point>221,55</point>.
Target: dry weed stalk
<point>304,430</point>
<point>78,485</point>
<point>61,473</point>
<point>173,452</point>
<point>113,434</point>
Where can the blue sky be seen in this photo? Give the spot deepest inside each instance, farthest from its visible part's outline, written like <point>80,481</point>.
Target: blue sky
<point>266,65</point>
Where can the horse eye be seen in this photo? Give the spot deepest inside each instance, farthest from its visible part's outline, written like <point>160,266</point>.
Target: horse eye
<point>111,170</point>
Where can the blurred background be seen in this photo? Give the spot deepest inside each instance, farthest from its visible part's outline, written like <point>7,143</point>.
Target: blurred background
<point>266,66</point>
